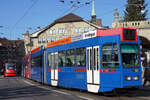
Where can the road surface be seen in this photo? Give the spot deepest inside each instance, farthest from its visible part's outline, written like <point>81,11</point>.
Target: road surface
<point>18,88</point>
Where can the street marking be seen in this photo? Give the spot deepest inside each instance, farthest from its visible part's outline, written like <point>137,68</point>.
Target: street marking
<point>146,98</point>
<point>28,82</point>
<point>85,98</point>
<point>47,88</point>
<point>43,87</point>
<point>61,92</point>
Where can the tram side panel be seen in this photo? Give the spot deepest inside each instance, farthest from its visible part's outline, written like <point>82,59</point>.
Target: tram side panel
<point>37,66</point>
<point>48,68</point>
<point>71,75</point>
<point>110,70</point>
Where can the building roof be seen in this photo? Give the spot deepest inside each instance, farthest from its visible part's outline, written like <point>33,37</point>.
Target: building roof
<point>69,18</point>
<point>10,43</point>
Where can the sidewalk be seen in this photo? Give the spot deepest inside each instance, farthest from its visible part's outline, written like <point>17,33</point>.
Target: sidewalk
<point>146,87</point>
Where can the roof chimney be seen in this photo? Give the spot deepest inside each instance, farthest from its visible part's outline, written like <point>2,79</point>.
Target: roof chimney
<point>27,33</point>
<point>38,28</point>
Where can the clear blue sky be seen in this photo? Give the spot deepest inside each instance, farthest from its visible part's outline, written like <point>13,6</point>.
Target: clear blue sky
<point>16,16</point>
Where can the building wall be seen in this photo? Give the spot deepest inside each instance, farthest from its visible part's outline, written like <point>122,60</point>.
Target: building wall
<point>61,30</point>
<point>27,40</point>
<point>134,24</point>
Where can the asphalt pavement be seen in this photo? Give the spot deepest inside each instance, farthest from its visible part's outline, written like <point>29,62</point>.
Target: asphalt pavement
<point>18,88</point>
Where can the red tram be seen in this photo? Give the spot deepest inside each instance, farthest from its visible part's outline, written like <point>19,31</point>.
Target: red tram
<point>9,68</point>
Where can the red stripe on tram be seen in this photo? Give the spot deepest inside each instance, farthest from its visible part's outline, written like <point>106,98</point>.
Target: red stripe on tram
<point>108,70</point>
<point>49,70</point>
<point>80,70</point>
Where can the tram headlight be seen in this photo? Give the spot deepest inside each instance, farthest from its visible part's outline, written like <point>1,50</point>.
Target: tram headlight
<point>135,78</point>
<point>128,78</point>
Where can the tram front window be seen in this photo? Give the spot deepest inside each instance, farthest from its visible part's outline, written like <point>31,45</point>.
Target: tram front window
<point>130,55</point>
<point>10,66</point>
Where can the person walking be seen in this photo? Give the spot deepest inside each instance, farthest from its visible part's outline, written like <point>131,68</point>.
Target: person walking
<point>146,76</point>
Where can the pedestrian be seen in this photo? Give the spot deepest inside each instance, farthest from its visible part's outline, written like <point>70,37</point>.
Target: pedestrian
<point>146,76</point>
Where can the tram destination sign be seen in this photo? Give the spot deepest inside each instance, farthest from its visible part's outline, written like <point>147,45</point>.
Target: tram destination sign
<point>90,34</point>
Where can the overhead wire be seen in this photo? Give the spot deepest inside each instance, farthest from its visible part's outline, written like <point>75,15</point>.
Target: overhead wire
<point>26,12</point>
<point>74,8</point>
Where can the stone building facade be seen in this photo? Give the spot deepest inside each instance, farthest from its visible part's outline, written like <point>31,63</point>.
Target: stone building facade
<point>68,25</point>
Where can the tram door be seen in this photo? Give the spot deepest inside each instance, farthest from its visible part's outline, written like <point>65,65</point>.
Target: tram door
<point>93,74</point>
<point>44,67</point>
<point>54,70</point>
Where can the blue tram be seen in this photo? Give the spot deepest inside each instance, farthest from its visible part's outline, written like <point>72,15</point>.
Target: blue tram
<point>37,64</point>
<point>96,61</point>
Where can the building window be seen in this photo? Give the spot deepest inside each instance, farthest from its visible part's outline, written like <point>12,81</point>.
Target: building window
<point>50,31</point>
<point>86,29</point>
<point>44,40</point>
<point>39,40</point>
<point>54,32</point>
<point>78,30</point>
<point>48,39</point>
<point>31,39</point>
<point>61,30</point>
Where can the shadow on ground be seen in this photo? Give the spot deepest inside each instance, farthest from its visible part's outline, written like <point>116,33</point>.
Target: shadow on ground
<point>22,92</point>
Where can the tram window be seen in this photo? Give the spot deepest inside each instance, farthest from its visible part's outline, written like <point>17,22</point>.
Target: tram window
<point>70,58</point>
<point>61,59</point>
<point>49,59</point>
<point>129,34</point>
<point>130,51</point>
<point>55,61</point>
<point>110,56</point>
<point>36,61</point>
<point>88,59</point>
<point>80,57</point>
